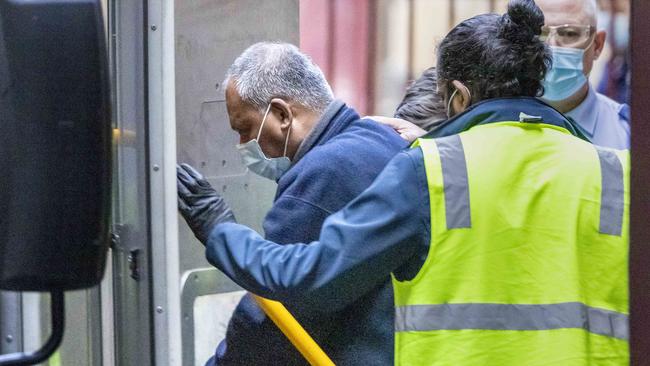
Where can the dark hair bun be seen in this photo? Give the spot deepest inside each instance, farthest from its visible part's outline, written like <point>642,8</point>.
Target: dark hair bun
<point>496,55</point>
<point>522,22</point>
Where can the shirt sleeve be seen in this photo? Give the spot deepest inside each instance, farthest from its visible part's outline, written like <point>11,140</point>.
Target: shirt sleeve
<point>359,246</point>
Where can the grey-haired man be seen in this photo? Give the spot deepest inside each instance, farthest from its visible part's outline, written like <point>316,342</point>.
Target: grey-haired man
<point>322,155</point>
<point>572,32</point>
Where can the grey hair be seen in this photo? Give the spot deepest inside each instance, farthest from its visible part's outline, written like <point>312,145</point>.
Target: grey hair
<point>268,70</point>
<point>422,105</point>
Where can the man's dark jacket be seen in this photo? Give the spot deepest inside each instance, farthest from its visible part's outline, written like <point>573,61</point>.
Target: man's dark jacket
<point>336,162</point>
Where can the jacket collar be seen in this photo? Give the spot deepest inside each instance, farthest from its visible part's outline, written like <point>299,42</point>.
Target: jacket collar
<point>504,109</point>
<point>332,121</point>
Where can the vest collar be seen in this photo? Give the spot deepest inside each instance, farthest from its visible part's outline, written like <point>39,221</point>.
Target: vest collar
<point>504,109</point>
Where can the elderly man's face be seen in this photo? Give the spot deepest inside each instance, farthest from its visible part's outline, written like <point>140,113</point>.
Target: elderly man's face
<point>575,12</point>
<point>246,121</point>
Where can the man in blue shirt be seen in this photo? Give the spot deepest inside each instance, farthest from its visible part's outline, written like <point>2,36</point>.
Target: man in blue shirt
<point>570,31</point>
<point>322,155</point>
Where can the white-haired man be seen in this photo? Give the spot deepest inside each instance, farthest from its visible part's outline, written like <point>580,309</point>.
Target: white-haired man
<point>571,30</point>
<point>322,156</point>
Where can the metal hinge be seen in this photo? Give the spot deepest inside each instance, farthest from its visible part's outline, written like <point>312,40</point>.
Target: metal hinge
<point>134,263</point>
<point>116,230</point>
<point>133,257</point>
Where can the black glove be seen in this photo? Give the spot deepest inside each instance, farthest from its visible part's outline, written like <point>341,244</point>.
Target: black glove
<point>201,206</point>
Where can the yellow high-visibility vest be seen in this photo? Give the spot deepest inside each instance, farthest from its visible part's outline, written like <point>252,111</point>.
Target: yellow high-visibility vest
<point>528,260</point>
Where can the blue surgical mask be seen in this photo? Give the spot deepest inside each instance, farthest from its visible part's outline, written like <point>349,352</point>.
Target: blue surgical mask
<point>566,77</point>
<point>255,159</point>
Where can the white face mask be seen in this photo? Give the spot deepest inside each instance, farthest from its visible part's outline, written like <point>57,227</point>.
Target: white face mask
<point>255,159</point>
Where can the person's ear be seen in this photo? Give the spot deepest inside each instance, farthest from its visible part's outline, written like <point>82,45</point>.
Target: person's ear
<point>463,98</point>
<point>599,43</point>
<point>282,111</point>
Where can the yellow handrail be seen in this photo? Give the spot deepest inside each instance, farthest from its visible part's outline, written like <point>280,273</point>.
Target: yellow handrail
<point>296,334</point>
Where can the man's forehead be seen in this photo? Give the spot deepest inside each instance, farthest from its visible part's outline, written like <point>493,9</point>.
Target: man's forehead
<point>234,100</point>
<point>231,93</point>
<point>240,113</point>
<point>558,12</point>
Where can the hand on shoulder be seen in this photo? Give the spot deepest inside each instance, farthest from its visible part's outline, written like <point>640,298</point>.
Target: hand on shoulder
<point>407,130</point>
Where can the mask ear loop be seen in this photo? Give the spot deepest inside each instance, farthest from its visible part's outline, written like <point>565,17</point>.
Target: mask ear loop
<point>286,141</point>
<point>259,133</point>
<point>452,98</point>
<point>593,40</point>
<point>449,102</point>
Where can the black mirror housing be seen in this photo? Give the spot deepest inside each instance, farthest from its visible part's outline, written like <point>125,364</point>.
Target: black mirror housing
<point>55,145</point>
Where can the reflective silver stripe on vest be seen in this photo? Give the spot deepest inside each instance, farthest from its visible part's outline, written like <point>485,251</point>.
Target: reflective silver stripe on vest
<point>612,193</point>
<point>511,317</point>
<point>454,177</point>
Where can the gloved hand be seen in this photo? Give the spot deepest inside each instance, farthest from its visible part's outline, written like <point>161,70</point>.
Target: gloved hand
<point>201,206</point>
